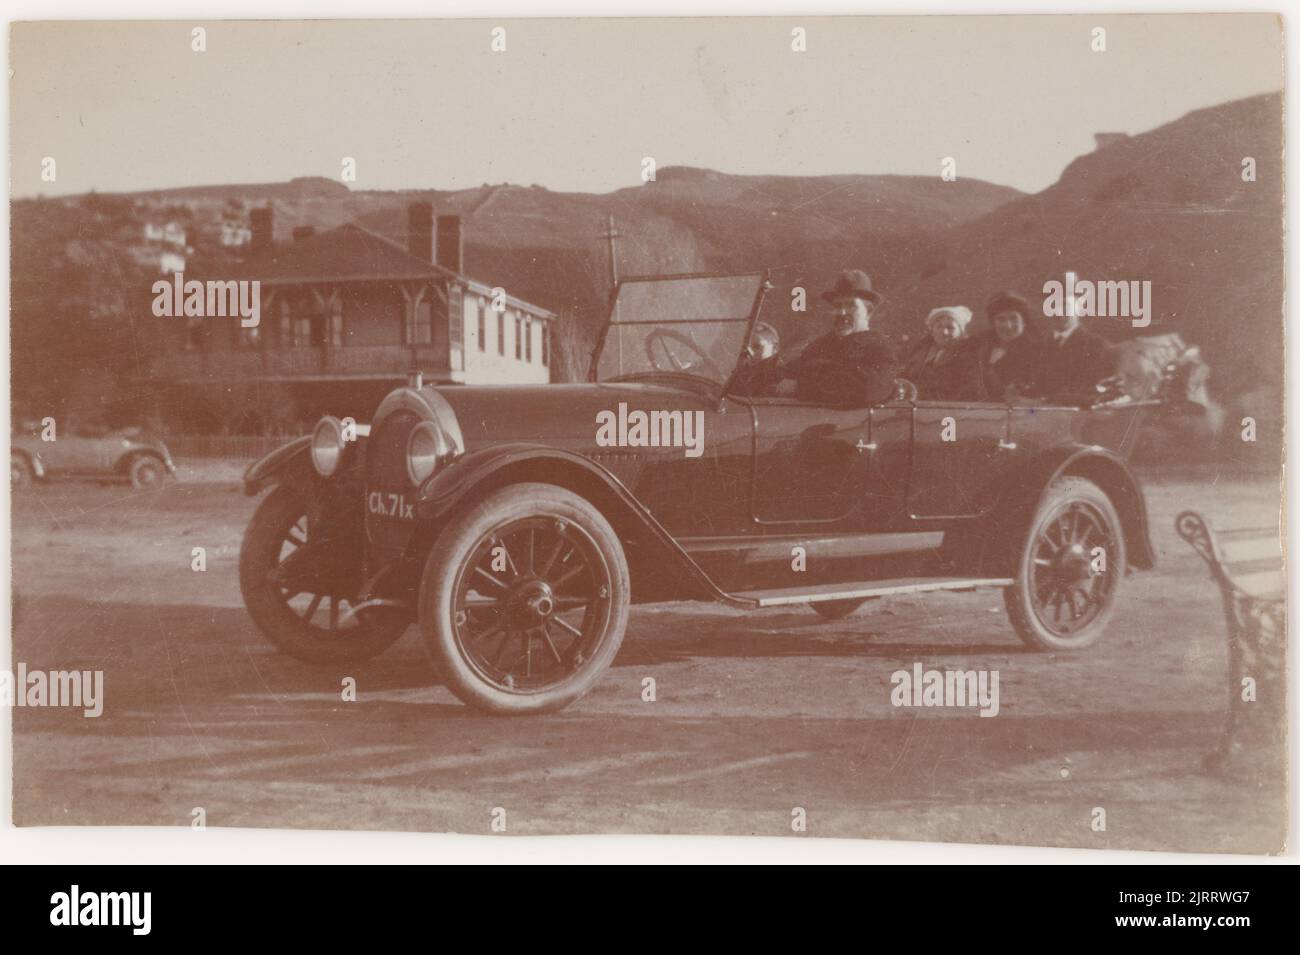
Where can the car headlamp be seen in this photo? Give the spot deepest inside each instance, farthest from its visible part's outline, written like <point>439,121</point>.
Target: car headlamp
<point>426,446</point>
<point>327,446</point>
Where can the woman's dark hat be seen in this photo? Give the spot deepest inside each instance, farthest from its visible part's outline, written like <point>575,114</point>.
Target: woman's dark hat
<point>1009,302</point>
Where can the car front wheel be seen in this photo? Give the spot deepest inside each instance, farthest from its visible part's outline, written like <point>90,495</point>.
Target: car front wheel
<point>313,621</point>
<point>1069,569</point>
<point>524,600</point>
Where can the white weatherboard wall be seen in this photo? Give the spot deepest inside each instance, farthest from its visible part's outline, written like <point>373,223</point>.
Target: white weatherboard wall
<point>486,366</point>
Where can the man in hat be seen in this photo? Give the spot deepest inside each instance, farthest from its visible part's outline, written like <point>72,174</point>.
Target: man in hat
<point>850,365</point>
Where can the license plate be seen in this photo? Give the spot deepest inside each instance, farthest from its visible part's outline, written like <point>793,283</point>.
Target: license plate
<point>390,505</point>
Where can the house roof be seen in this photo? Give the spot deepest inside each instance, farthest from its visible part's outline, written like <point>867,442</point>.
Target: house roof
<point>353,253</point>
<point>346,253</point>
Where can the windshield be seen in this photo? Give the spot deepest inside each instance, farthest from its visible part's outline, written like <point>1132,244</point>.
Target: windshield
<point>684,325</point>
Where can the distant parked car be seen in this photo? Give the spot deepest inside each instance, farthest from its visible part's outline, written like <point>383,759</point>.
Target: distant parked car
<point>98,453</point>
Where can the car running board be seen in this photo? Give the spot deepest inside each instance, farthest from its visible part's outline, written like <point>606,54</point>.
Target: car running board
<point>862,591</point>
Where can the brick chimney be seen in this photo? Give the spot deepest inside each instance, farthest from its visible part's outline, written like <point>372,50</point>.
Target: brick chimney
<point>303,232</point>
<point>451,244</point>
<point>1109,139</point>
<point>261,222</point>
<point>419,230</point>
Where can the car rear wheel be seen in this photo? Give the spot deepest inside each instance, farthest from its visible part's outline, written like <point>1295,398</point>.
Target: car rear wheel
<point>146,472</point>
<point>1069,569</point>
<point>315,627</point>
<point>836,609</point>
<point>524,600</point>
<point>20,472</point>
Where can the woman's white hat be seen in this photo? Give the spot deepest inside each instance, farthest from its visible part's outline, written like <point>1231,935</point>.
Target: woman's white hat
<point>958,313</point>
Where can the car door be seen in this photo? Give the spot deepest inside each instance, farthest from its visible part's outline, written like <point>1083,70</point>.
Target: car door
<point>106,451</point>
<point>809,461</point>
<point>87,452</point>
<point>888,460</point>
<point>689,494</point>
<point>960,453</point>
<point>63,455</point>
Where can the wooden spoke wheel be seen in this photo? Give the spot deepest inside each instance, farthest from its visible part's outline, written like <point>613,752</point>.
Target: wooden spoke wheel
<point>1069,569</point>
<point>524,600</point>
<point>308,620</point>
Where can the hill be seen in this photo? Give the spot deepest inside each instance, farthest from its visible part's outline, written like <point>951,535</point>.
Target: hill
<point>548,247</point>
<point>1169,206</point>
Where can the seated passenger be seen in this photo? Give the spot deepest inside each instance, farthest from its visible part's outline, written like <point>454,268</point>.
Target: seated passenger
<point>1008,355</point>
<point>759,368</point>
<point>1073,360</point>
<point>850,366</point>
<point>764,343</point>
<point>938,364</point>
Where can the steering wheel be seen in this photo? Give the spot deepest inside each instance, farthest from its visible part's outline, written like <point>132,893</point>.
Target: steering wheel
<point>694,361</point>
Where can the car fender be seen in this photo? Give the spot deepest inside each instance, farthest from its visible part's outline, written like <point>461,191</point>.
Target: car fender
<point>468,476</point>
<point>1105,469</point>
<point>288,460</point>
<point>33,459</point>
<point>136,448</point>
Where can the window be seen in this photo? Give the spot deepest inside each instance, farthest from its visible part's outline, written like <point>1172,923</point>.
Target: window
<point>286,325</point>
<point>248,337</point>
<point>482,325</point>
<point>419,323</point>
<point>546,344</point>
<point>336,322</point>
<point>528,340</point>
<point>501,332</point>
<point>519,338</point>
<point>301,331</point>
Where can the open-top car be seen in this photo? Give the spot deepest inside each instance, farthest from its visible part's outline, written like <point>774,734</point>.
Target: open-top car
<point>516,524</point>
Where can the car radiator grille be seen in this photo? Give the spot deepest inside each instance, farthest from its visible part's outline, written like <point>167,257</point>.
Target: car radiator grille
<point>388,488</point>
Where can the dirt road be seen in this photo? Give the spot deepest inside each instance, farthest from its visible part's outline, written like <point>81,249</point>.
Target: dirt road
<point>755,715</point>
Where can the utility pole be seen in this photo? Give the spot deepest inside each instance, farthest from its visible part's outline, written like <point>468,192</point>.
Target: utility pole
<point>612,235</point>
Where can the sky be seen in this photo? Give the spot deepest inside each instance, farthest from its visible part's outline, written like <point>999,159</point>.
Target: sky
<point>577,105</point>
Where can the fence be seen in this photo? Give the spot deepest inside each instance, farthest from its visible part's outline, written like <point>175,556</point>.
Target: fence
<point>239,447</point>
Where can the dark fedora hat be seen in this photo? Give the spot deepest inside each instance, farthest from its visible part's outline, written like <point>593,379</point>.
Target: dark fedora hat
<point>1009,302</point>
<point>852,282</point>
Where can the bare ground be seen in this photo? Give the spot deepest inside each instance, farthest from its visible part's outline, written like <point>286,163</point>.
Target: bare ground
<point>756,714</point>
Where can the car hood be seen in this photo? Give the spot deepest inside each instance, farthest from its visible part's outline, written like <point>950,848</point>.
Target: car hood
<point>557,414</point>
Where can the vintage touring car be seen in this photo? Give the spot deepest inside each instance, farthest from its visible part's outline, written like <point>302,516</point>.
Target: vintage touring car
<point>515,525</point>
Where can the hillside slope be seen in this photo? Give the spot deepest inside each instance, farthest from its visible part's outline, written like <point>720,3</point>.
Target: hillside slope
<point>1169,206</point>
<point>550,246</point>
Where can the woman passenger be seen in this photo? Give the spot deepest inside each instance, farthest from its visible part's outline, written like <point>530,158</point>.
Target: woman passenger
<point>937,365</point>
<point>1007,356</point>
